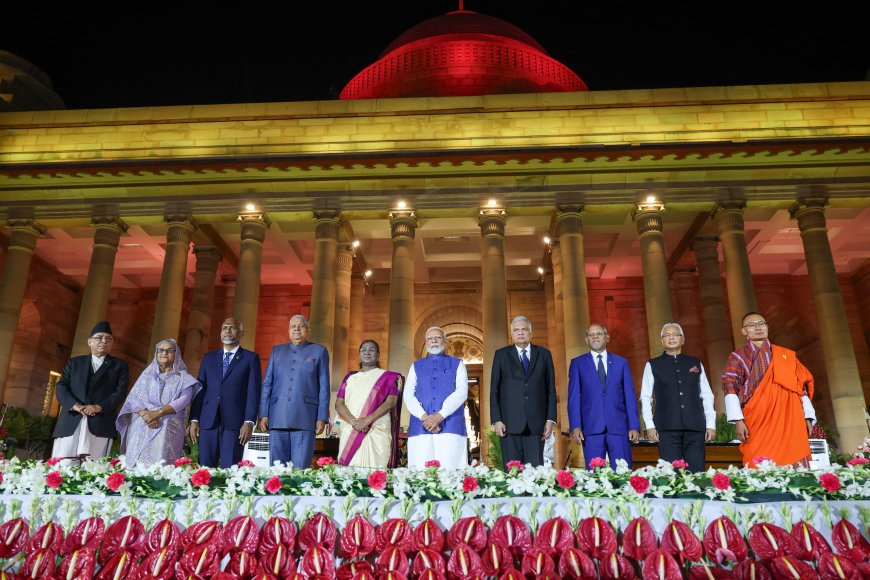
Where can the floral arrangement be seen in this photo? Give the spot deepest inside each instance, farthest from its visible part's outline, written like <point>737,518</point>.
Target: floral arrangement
<point>666,480</point>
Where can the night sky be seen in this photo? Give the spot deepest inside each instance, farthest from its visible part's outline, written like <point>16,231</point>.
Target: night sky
<point>107,55</point>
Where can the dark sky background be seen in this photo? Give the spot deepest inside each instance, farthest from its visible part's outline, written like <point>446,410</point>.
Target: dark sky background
<point>125,54</point>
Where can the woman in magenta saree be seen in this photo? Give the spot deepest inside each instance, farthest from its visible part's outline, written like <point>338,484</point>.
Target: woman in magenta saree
<point>367,404</point>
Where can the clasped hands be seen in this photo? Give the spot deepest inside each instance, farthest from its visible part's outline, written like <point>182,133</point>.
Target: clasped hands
<point>151,418</point>
<point>432,422</point>
<point>88,410</point>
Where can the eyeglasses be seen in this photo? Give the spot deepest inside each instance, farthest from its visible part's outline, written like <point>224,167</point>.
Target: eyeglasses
<point>165,351</point>
<point>103,338</point>
<point>672,335</point>
<point>596,334</point>
<point>759,324</point>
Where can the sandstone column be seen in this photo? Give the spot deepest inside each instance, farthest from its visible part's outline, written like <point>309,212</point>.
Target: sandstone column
<point>656,290</point>
<point>738,276</point>
<point>688,314</point>
<point>401,348</point>
<point>559,353</point>
<point>201,306</point>
<point>495,307</point>
<point>327,227</point>
<point>717,327</point>
<point>575,296</point>
<point>357,321</point>
<point>341,364</point>
<point>247,299</point>
<point>95,299</point>
<point>229,284</point>
<point>560,451</point>
<point>16,272</point>
<point>844,381</point>
<point>167,317</point>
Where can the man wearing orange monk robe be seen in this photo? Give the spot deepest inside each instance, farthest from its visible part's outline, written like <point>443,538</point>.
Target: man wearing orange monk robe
<point>768,396</point>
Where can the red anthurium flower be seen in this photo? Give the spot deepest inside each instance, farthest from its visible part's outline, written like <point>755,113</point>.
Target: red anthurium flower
<point>80,563</point>
<point>464,562</point>
<point>318,531</point>
<point>350,570</point>
<point>392,560</point>
<point>810,543</point>
<point>240,532</point>
<point>596,537</point>
<point>769,541</point>
<point>201,560</point>
<point>792,567</point>
<point>54,479</point>
<point>39,564</point>
<point>705,572</point>
<point>224,576</point>
<point>834,567</point>
<point>575,565</point>
<point>127,534</point>
<point>470,531</point>
<point>849,541</point>
<point>121,565</point>
<point>616,566</point>
<point>277,531</point>
<point>537,562</point>
<point>723,541</point>
<point>390,575</point>
<point>433,575</point>
<point>158,564</point>
<point>85,534</point>
<point>428,535</point>
<point>512,533</point>
<point>13,537</point>
<point>378,480</point>
<point>661,566</point>
<point>554,535</point>
<point>428,560</point>
<point>242,563</point>
<point>394,533</point>
<point>201,477</point>
<point>496,559</point>
<point>115,481</point>
<point>357,538</point>
<point>864,568</point>
<point>639,539</point>
<point>165,534</point>
<point>318,560</point>
<point>513,574</point>
<point>750,569</point>
<point>278,561</point>
<point>49,536</point>
<point>201,534</point>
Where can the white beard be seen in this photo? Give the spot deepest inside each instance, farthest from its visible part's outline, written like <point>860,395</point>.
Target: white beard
<point>227,341</point>
<point>435,349</point>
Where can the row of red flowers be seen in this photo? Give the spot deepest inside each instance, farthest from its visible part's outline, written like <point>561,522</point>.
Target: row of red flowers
<point>396,549</point>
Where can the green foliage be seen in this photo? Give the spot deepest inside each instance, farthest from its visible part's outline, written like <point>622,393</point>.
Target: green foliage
<point>29,433</point>
<point>725,431</point>
<point>493,458</point>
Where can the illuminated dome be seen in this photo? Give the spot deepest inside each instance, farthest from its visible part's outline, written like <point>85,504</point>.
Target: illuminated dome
<point>458,54</point>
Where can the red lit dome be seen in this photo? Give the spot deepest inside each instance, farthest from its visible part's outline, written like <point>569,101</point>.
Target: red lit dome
<point>458,54</point>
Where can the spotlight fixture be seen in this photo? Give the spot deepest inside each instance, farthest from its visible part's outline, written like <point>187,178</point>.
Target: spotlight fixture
<point>368,273</point>
<point>401,204</point>
<point>650,203</point>
<point>355,243</point>
<point>492,203</point>
<point>547,240</point>
<point>540,271</point>
<point>251,207</point>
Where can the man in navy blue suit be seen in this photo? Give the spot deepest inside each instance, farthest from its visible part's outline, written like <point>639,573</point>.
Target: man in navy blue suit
<point>223,413</point>
<point>294,404</point>
<point>602,410</point>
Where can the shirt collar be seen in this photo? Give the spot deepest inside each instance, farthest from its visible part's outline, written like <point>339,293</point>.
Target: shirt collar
<point>232,352</point>
<point>528,350</point>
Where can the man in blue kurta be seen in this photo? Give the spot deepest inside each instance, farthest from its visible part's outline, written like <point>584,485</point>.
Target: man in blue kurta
<point>435,395</point>
<point>294,403</point>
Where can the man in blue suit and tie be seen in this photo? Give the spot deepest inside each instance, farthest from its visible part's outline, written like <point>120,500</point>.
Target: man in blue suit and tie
<point>602,410</point>
<point>223,413</point>
<point>294,403</point>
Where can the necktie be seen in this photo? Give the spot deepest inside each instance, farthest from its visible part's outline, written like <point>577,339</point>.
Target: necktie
<point>602,376</point>
<point>226,364</point>
<point>525,361</point>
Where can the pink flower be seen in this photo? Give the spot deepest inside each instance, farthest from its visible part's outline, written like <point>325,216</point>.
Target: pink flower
<point>324,461</point>
<point>54,479</point>
<point>761,458</point>
<point>680,464</point>
<point>721,482</point>
<point>830,482</point>
<point>115,481</point>
<point>200,477</point>
<point>378,480</point>
<point>114,462</point>
<point>183,461</point>
<point>469,484</point>
<point>246,463</point>
<point>54,461</point>
<point>565,479</point>
<point>274,485</point>
<point>857,461</point>
<point>640,484</point>
<point>515,464</point>
<point>596,462</point>
<point>1,477</point>
<point>433,463</point>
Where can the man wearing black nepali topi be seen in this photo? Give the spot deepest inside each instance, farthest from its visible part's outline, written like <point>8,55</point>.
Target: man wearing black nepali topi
<point>90,390</point>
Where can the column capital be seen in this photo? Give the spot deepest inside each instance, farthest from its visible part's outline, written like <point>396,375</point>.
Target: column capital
<point>492,221</point>
<point>706,248</point>
<point>327,224</point>
<point>180,228</point>
<point>684,278</point>
<point>569,219</point>
<point>108,230</point>
<point>24,233</point>
<point>254,226</point>
<point>810,213</point>
<point>729,215</point>
<point>207,258</point>
<point>648,222</point>
<point>344,259</point>
<point>403,223</point>
<point>555,254</point>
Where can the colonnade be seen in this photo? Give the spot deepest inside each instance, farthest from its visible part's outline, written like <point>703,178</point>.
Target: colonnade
<point>337,296</point>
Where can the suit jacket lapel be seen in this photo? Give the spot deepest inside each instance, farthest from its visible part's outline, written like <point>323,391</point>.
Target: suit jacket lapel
<point>232,365</point>
<point>107,362</point>
<point>533,356</point>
